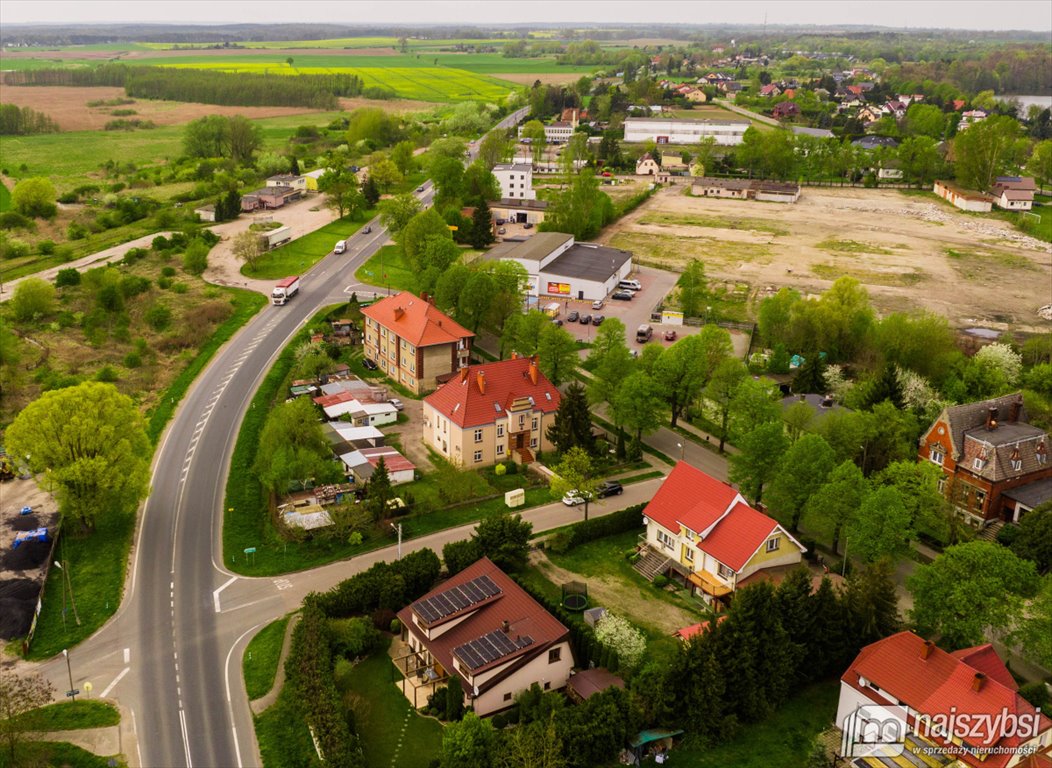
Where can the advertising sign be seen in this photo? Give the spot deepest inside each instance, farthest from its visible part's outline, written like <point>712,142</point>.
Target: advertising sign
<point>559,289</point>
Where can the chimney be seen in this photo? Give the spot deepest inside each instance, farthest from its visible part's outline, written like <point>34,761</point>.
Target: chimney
<point>978,681</point>
<point>533,370</point>
<point>514,355</point>
<point>1014,409</point>
<point>398,313</point>
<point>481,379</point>
<point>464,373</point>
<point>927,649</point>
<point>505,626</point>
<point>991,418</point>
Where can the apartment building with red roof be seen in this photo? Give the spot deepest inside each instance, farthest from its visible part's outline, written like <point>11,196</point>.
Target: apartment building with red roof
<point>965,704</point>
<point>703,532</point>
<point>491,413</point>
<point>482,630</point>
<point>414,343</point>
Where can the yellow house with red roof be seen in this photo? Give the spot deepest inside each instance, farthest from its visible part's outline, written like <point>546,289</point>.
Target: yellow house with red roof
<point>492,412</point>
<point>703,532</point>
<point>412,342</point>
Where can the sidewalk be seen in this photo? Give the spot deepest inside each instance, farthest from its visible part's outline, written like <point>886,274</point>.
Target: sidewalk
<point>264,701</point>
<point>99,741</point>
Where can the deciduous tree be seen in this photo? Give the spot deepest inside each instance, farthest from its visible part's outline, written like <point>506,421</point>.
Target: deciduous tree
<point>504,539</point>
<point>33,299</point>
<point>557,353</point>
<point>839,500</point>
<point>882,529</point>
<point>574,473</point>
<point>988,149</point>
<point>34,197</point>
<point>803,472</point>
<point>248,247</point>
<point>759,460</point>
<point>91,441</point>
<point>721,389</point>
<point>398,211</point>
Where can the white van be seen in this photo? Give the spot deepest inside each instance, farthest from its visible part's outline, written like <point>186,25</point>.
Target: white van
<point>631,285</point>
<point>340,246</point>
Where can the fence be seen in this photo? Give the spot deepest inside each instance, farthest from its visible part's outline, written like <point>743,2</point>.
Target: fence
<point>43,588</point>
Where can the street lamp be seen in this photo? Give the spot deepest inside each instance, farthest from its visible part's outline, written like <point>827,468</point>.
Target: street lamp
<point>398,527</point>
<point>69,584</point>
<point>72,692</point>
<point>682,450</point>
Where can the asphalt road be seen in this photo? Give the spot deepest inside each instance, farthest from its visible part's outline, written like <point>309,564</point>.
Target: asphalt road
<point>172,653</point>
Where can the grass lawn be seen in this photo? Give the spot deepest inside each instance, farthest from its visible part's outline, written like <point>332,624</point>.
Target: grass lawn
<point>5,198</point>
<point>96,565</point>
<point>284,739</point>
<point>303,253</point>
<point>380,712</point>
<point>721,222</point>
<point>387,268</point>
<point>70,715</point>
<point>61,753</point>
<point>260,663</point>
<point>784,739</point>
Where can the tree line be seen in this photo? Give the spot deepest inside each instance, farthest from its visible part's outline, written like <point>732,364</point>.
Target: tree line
<point>24,121</point>
<point>203,86</point>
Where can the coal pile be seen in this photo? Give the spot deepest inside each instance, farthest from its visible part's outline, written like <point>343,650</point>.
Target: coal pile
<point>29,555</point>
<point>18,599</point>
<point>24,523</point>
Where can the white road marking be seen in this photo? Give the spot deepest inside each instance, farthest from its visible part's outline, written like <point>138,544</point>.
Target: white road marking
<point>226,681</point>
<point>282,583</point>
<point>215,594</point>
<point>237,748</point>
<point>127,655</point>
<point>186,738</point>
<point>135,730</point>
<point>117,679</point>
<point>246,605</point>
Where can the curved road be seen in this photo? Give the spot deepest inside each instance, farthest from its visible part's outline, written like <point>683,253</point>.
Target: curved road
<point>172,653</point>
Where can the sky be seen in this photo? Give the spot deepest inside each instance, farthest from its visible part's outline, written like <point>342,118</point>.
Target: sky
<point>1029,15</point>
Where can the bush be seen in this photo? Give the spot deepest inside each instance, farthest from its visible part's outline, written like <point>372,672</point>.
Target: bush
<point>660,581</point>
<point>396,626</point>
<point>559,543</point>
<point>353,637</point>
<point>133,285</point>
<point>10,248</point>
<point>1036,694</point>
<point>600,527</point>
<point>195,260</point>
<point>34,299</point>
<point>67,277</point>
<point>46,247</point>
<point>76,231</point>
<point>15,220</point>
<point>458,555</point>
<point>1007,535</point>
<point>384,585</point>
<point>500,470</point>
<point>158,317</point>
<point>106,373</point>
<point>179,288</point>
<point>132,360</point>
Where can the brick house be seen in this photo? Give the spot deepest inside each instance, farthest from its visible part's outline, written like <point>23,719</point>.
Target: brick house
<point>995,465</point>
<point>492,412</point>
<point>413,342</point>
<point>785,109</point>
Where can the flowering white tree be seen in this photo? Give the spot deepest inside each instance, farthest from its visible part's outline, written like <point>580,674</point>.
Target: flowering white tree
<point>917,393</point>
<point>618,634</point>
<point>836,383</point>
<point>1003,358</point>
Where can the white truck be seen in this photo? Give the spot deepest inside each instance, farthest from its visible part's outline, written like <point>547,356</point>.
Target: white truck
<point>340,247</point>
<point>285,290</point>
<point>276,237</point>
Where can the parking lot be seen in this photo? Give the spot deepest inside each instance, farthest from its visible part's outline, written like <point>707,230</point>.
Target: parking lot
<point>656,284</point>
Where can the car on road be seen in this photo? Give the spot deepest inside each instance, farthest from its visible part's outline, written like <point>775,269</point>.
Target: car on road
<point>367,230</point>
<point>370,365</point>
<point>419,189</point>
<point>501,231</point>
<point>598,304</point>
<point>398,404</point>
<point>598,320</point>
<point>585,319</point>
<point>573,498</point>
<point>670,335</point>
<point>609,488</point>
<point>574,316</point>
<point>622,295</point>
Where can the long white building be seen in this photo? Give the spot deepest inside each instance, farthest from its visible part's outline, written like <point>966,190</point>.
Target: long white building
<point>667,131</point>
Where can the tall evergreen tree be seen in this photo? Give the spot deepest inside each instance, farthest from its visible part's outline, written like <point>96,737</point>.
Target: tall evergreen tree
<point>810,377</point>
<point>872,606</point>
<point>482,226</point>
<point>700,686</point>
<point>573,422</point>
<point>371,192</point>
<point>885,387</point>
<point>793,605</point>
<point>378,491</point>
<point>828,650</point>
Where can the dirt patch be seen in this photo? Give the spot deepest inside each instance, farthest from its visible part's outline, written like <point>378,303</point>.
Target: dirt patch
<point>910,252</point>
<point>392,105</point>
<point>280,54</point>
<point>529,78</point>
<point>634,602</point>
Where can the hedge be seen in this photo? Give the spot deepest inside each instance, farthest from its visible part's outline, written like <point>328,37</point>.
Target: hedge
<point>627,519</point>
<point>385,586</point>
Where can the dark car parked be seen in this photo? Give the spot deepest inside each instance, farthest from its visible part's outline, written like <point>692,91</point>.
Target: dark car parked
<point>573,317</point>
<point>585,319</point>
<point>621,295</point>
<point>369,364</point>
<point>609,488</point>
<point>598,320</point>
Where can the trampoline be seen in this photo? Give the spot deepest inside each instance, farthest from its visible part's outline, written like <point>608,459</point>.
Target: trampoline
<point>575,596</point>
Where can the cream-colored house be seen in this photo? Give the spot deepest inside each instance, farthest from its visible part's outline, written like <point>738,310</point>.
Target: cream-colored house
<point>703,533</point>
<point>412,342</point>
<point>482,630</point>
<point>696,95</point>
<point>647,166</point>
<point>492,413</point>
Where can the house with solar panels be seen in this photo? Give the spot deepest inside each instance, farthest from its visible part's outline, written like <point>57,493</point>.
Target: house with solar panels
<point>482,630</point>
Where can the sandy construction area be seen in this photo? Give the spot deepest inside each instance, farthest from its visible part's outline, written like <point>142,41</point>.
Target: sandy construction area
<point>911,252</point>
<point>68,106</point>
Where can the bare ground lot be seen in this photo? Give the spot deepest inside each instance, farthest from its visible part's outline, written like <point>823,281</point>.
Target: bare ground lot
<point>548,78</point>
<point>910,252</point>
<point>68,106</point>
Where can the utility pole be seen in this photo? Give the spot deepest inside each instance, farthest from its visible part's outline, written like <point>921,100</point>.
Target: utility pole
<point>398,527</point>
<point>72,692</point>
<point>70,585</point>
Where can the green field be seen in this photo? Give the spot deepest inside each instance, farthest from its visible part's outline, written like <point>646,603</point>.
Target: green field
<point>302,254</point>
<point>5,198</point>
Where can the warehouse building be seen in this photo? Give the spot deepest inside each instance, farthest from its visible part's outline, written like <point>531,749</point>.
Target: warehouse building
<point>559,267</point>
<point>667,131</point>
<point>516,181</point>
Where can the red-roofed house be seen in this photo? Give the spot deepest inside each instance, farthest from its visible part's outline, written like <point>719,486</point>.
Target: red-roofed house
<point>492,412</point>
<point>484,632</point>
<point>966,701</point>
<point>708,536</point>
<point>414,343</point>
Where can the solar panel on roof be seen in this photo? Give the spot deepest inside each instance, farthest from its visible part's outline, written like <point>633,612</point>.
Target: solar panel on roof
<point>491,647</point>
<point>456,599</point>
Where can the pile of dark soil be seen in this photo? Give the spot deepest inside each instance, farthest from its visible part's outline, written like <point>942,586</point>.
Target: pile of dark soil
<point>18,598</point>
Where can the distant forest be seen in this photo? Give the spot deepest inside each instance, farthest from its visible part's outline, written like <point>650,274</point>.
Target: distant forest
<point>203,86</point>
